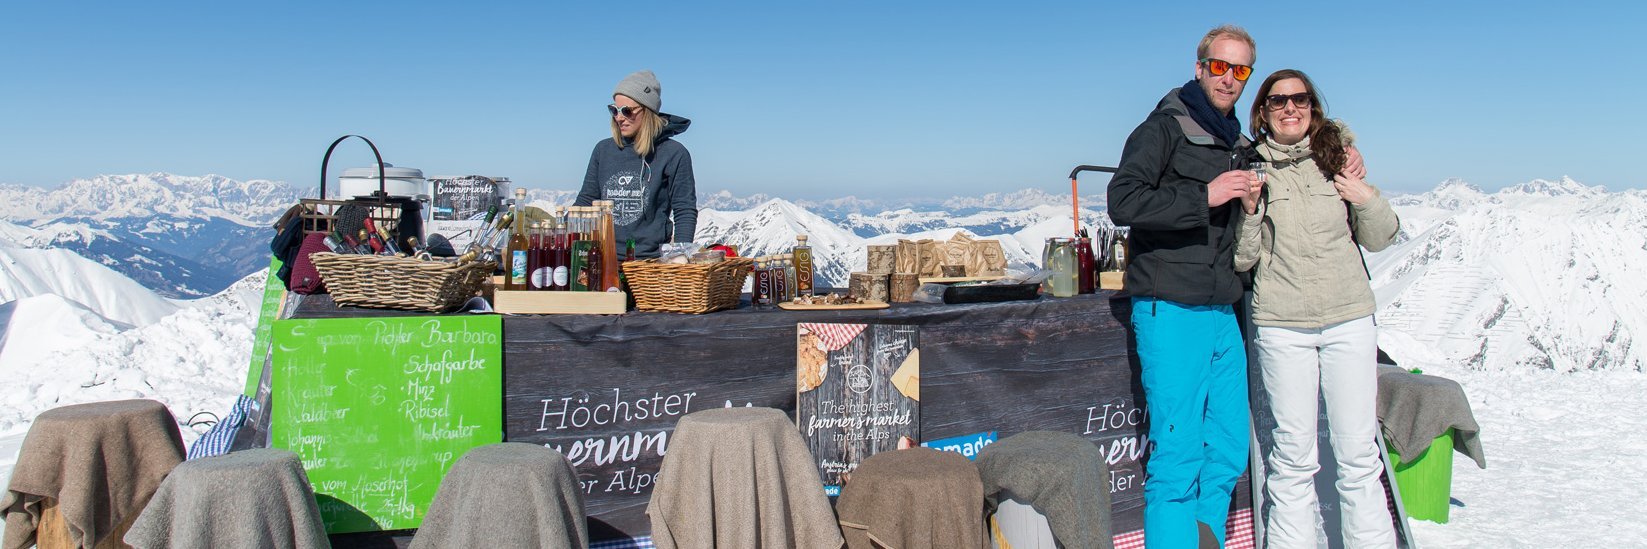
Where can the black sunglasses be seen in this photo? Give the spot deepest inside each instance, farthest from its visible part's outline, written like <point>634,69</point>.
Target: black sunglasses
<point>626,112</point>
<point>1278,102</point>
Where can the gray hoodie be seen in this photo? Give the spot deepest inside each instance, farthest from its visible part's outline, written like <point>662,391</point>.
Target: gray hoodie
<point>647,194</point>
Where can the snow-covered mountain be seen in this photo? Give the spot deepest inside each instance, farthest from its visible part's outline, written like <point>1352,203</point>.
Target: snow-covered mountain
<point>144,196</point>
<point>182,236</point>
<point>1532,275</point>
<point>1545,274</point>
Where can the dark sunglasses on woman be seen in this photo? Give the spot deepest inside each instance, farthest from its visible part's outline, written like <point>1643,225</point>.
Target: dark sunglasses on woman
<point>1278,102</point>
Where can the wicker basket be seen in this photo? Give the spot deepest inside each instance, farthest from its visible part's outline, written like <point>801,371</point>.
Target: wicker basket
<point>688,288</point>
<point>388,282</point>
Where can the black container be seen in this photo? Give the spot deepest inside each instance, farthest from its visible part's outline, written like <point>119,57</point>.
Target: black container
<point>990,293</point>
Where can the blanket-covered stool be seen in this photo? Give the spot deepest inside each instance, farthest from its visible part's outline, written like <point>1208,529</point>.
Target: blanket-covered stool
<point>740,477</point>
<point>1414,411</point>
<point>508,494</point>
<point>917,498</point>
<point>86,470</point>
<point>256,499</point>
<point>1061,475</point>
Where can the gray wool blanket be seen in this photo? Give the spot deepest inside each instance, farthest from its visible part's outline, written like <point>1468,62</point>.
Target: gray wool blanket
<point>509,494</point>
<point>101,461</point>
<point>1062,475</point>
<point>740,478</point>
<point>257,498</point>
<point>917,498</point>
<point>1414,409</point>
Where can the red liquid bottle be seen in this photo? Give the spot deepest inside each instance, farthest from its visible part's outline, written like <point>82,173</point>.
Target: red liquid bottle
<point>1086,280</point>
<point>561,251</point>
<point>537,277</point>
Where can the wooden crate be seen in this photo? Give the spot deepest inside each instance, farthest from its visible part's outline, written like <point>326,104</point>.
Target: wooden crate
<point>560,303</point>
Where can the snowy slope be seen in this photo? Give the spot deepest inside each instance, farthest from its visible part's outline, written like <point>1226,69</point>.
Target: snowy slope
<point>1541,275</point>
<point>28,272</point>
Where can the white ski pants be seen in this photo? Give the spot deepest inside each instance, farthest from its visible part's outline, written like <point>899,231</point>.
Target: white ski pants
<point>1339,360</point>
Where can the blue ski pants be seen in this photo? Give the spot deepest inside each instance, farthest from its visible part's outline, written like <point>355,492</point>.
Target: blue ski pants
<point>1195,387</point>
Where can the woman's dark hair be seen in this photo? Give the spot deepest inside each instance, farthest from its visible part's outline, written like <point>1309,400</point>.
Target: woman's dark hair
<point>1326,139</point>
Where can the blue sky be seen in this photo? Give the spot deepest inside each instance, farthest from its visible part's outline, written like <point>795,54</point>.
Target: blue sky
<point>800,100</point>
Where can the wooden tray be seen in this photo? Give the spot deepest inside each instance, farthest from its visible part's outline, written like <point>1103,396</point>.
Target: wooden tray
<point>842,307</point>
<point>954,279</point>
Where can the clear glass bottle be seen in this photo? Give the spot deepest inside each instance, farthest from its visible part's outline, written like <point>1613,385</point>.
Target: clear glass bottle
<point>790,278</point>
<point>515,262</point>
<point>803,266</point>
<point>761,291</point>
<point>780,282</point>
<point>610,272</point>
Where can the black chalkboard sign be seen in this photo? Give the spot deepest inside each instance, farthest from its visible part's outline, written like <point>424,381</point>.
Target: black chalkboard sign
<point>857,393</point>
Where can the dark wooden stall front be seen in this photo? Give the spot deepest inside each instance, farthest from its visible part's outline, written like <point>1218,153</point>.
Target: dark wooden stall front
<point>606,391</point>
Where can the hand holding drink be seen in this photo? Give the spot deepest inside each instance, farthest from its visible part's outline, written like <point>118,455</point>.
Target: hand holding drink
<point>1228,186</point>
<point>1249,201</point>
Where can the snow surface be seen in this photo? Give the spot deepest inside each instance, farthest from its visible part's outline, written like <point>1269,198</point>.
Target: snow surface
<point>1530,297</point>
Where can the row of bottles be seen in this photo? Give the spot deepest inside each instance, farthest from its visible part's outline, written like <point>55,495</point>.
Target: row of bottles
<point>776,280</point>
<point>781,277</point>
<point>575,250</point>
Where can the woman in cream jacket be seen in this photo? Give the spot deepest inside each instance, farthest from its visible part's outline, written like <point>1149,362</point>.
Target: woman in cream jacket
<point>1300,235</point>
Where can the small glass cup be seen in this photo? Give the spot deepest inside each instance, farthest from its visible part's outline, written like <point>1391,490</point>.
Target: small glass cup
<point>1259,170</point>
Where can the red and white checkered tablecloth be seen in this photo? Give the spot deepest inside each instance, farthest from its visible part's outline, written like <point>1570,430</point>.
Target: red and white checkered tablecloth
<point>1237,534</point>
<point>834,336</point>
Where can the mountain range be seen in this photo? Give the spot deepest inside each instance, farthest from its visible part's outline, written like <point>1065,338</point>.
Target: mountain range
<point>1538,275</point>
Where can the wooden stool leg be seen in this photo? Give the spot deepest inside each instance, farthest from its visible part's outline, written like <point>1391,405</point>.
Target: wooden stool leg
<point>53,532</point>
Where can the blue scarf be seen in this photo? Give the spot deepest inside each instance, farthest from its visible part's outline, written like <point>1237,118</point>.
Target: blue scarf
<point>1220,125</point>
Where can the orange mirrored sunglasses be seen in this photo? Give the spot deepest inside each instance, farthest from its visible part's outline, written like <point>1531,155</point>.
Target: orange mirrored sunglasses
<point>1220,66</point>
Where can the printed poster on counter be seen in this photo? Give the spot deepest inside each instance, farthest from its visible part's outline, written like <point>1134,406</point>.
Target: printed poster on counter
<point>857,392</point>
<point>458,206</point>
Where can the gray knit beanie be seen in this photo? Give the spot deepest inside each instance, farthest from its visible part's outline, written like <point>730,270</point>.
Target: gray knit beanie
<point>643,87</point>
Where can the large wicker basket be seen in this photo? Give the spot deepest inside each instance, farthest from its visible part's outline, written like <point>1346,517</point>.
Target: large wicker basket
<point>688,288</point>
<point>387,282</point>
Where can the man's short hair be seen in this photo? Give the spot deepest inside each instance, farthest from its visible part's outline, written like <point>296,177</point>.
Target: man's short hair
<point>1226,31</point>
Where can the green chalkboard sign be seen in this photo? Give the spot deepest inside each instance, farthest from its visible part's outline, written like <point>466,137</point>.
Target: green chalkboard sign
<point>274,293</point>
<point>380,408</point>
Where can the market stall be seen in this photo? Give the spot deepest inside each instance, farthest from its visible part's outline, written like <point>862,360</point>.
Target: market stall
<point>606,390</point>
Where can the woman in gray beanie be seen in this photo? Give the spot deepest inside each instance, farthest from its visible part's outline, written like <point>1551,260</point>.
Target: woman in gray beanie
<point>646,174</point>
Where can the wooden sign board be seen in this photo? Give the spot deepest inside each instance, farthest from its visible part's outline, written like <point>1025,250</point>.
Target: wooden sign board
<point>857,393</point>
<point>380,408</point>
<point>458,207</point>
